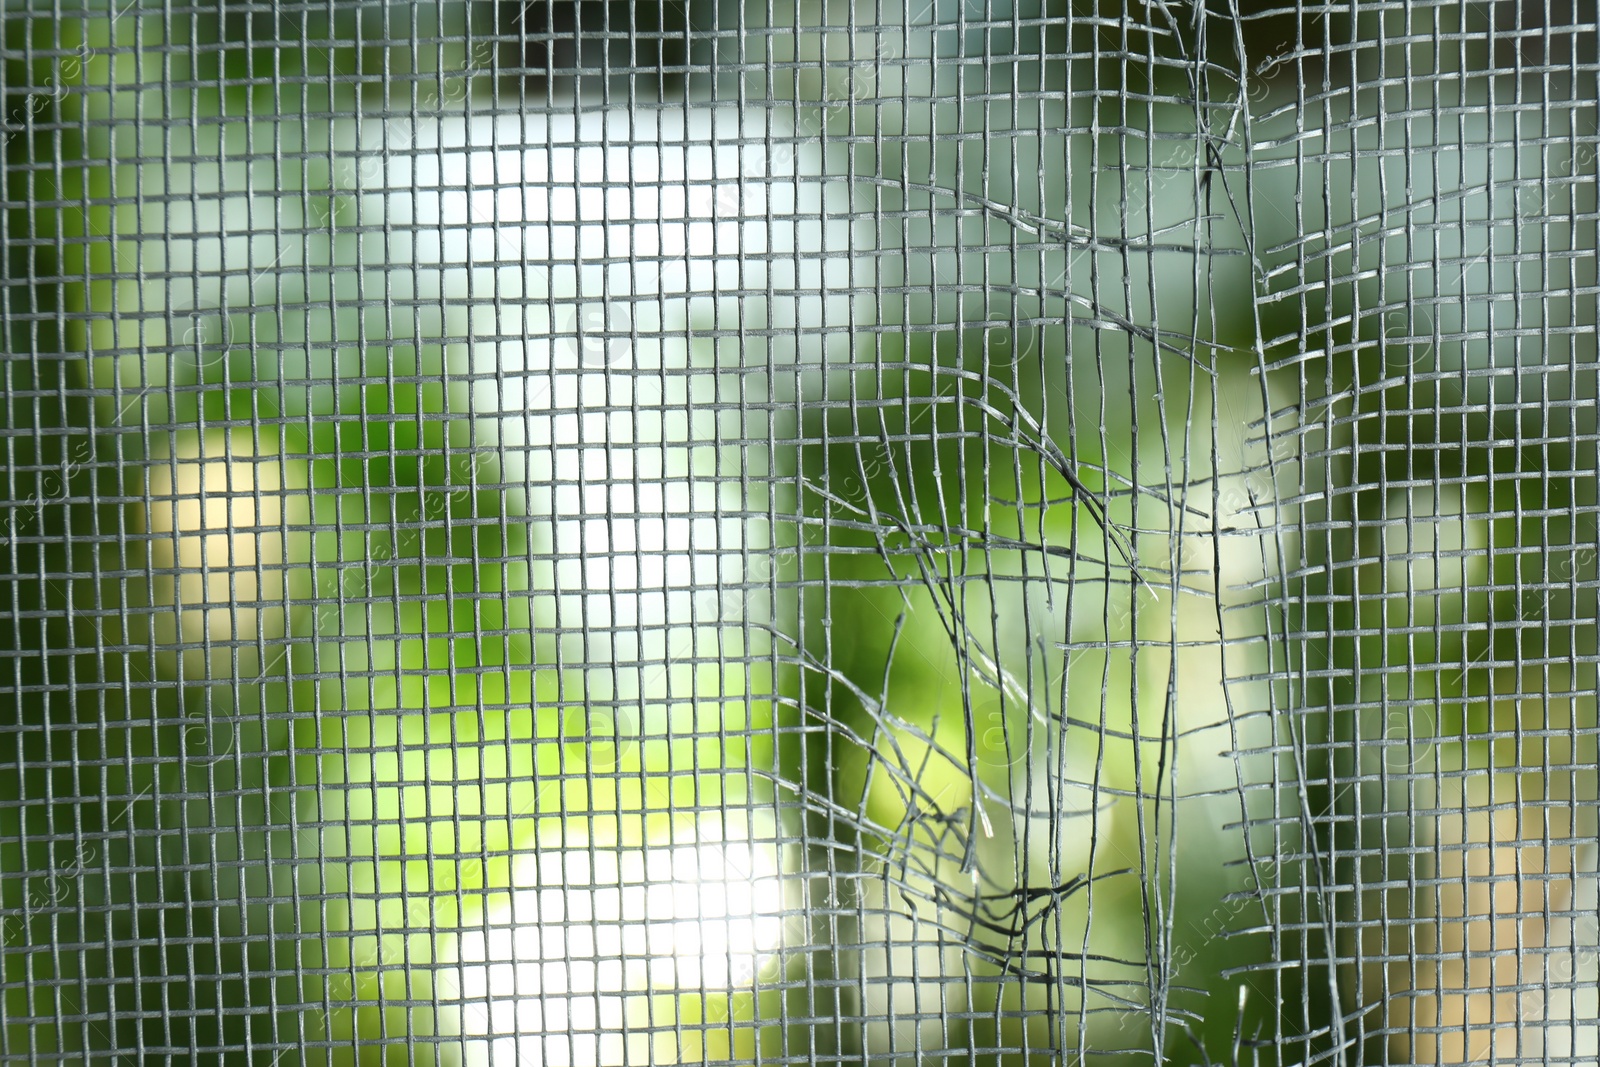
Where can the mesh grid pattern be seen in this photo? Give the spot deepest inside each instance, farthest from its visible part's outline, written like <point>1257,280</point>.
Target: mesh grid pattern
<point>584,533</point>
<point>1432,339</point>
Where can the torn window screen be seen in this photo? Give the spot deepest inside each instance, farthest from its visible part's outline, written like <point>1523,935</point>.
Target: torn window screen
<point>592,534</point>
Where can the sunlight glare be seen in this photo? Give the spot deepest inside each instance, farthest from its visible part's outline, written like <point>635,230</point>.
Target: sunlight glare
<point>565,976</point>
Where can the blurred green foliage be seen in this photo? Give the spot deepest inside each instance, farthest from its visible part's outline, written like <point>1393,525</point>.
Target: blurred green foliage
<point>291,817</point>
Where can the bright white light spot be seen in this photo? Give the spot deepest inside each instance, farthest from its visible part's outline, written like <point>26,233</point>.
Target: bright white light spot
<point>564,977</point>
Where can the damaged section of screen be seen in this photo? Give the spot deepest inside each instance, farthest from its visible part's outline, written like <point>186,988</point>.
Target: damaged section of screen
<point>1011,573</point>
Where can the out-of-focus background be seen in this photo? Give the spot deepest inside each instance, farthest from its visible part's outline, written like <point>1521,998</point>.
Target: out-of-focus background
<point>594,533</point>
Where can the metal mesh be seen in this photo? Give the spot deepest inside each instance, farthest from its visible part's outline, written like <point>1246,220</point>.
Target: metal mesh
<point>579,533</point>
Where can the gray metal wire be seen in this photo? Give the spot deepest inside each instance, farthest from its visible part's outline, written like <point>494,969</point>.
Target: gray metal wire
<point>594,533</point>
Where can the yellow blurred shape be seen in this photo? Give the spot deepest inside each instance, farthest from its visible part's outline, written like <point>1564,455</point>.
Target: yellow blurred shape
<point>215,516</point>
<point>1507,847</point>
